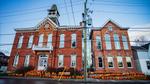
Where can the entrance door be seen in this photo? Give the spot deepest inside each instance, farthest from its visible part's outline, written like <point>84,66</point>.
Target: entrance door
<point>42,63</point>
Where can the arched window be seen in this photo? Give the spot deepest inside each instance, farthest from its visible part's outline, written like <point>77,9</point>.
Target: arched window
<point>60,60</point>
<point>100,62</point>
<point>16,60</point>
<point>20,42</point>
<point>116,41</point>
<point>125,42</point>
<point>41,40</point>
<point>30,41</point>
<point>62,39</point>
<point>73,60</point>
<point>107,41</point>
<point>73,40</point>
<point>49,42</point>
<point>98,42</point>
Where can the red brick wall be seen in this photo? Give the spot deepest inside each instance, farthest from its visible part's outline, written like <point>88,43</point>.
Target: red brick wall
<point>113,52</point>
<point>67,51</point>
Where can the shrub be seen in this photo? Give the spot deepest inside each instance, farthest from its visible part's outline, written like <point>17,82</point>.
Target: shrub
<point>23,70</point>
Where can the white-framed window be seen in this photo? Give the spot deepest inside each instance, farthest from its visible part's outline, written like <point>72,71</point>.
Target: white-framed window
<point>110,62</point>
<point>120,61</point>
<point>41,40</point>
<point>98,42</point>
<point>27,60</point>
<point>107,41</point>
<point>73,40</point>
<point>100,62</point>
<point>116,41</point>
<point>62,39</point>
<point>148,65</point>
<point>110,28</point>
<point>60,60</point>
<point>73,60</point>
<point>128,60</point>
<point>49,41</point>
<point>16,60</point>
<point>20,42</point>
<point>30,41</point>
<point>125,42</point>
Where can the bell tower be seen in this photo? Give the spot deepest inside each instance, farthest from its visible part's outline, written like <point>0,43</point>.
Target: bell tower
<point>54,14</point>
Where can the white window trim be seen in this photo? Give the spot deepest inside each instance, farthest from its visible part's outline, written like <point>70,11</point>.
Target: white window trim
<point>74,39</point>
<point>109,41</point>
<point>16,60</point>
<point>98,39</point>
<point>108,62</point>
<point>75,61</point>
<point>62,61</point>
<point>131,62</point>
<point>20,42</point>
<point>27,60</point>
<point>30,42</point>
<point>49,40</point>
<point>122,62</point>
<point>125,41</point>
<point>62,41</point>
<point>117,41</point>
<point>41,39</point>
<point>102,62</point>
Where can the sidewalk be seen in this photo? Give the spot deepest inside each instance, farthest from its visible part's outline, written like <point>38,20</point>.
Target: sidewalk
<point>89,80</point>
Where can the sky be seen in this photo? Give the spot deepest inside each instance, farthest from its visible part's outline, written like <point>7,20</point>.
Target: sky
<point>28,13</point>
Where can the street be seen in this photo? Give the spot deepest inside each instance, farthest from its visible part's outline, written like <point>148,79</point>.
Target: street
<point>45,81</point>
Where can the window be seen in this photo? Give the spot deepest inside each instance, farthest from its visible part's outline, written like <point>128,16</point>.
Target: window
<point>110,62</point>
<point>30,41</point>
<point>148,65</point>
<point>41,40</point>
<point>116,41</point>
<point>120,61</point>
<point>100,62</point>
<point>125,42</point>
<point>108,41</point>
<point>73,40</point>
<point>60,61</point>
<point>62,39</point>
<point>128,59</point>
<point>49,42</point>
<point>98,42</point>
<point>73,60</point>
<point>27,60</point>
<point>110,28</point>
<point>16,59</point>
<point>20,42</point>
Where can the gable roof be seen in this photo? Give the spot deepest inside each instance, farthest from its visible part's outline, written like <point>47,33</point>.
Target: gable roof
<point>109,21</point>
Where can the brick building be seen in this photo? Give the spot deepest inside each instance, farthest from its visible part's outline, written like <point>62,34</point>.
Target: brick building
<point>50,45</point>
<point>47,45</point>
<point>111,48</point>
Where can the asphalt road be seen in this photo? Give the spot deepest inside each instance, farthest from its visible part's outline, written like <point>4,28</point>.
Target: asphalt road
<point>43,81</point>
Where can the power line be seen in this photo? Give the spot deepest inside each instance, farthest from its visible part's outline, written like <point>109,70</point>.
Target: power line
<point>117,12</point>
<point>67,12</point>
<point>120,2</point>
<point>31,9</point>
<point>72,12</point>
<point>10,22</point>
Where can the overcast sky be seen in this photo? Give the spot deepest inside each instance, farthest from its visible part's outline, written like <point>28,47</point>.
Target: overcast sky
<point>28,13</point>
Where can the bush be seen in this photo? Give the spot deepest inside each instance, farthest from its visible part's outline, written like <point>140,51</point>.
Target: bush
<point>50,69</point>
<point>23,70</point>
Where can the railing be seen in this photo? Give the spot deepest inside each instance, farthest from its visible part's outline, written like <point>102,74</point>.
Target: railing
<point>43,48</point>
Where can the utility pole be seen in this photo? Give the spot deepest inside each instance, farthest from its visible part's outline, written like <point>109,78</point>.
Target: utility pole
<point>85,39</point>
